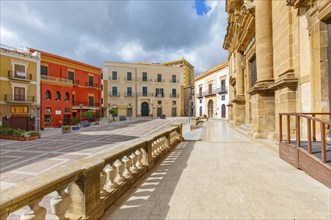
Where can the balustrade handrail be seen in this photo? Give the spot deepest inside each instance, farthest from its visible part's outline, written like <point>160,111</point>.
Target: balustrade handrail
<point>83,177</point>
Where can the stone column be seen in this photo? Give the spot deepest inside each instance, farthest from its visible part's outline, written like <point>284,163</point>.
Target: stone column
<point>239,99</point>
<point>264,49</point>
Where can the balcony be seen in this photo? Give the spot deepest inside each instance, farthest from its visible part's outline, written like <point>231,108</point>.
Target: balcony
<point>114,94</point>
<point>129,79</point>
<point>19,99</point>
<point>159,80</point>
<point>145,80</point>
<point>210,93</point>
<point>174,95</point>
<point>56,79</point>
<point>201,95</point>
<point>221,90</point>
<point>85,104</point>
<point>19,75</point>
<point>173,81</point>
<point>92,85</point>
<point>161,95</point>
<point>145,94</point>
<point>129,94</point>
<point>114,79</point>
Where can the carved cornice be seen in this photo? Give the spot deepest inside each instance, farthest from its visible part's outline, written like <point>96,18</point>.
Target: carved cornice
<point>300,3</point>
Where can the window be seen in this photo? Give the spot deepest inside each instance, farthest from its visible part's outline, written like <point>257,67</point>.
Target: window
<point>129,76</point>
<point>159,78</point>
<point>19,109</point>
<point>129,91</point>
<point>48,110</point>
<point>253,71</point>
<point>159,92</point>
<point>90,81</point>
<point>44,70</point>
<point>200,101</point>
<point>210,88</point>
<point>223,85</point>
<point>174,112</point>
<point>48,95</point>
<point>66,97</point>
<point>144,76</point>
<point>159,111</point>
<point>173,93</point>
<point>58,96</point>
<point>66,109</point>
<point>129,112</point>
<point>19,71</point>
<point>19,94</point>
<point>173,102</point>
<point>73,99</point>
<point>90,101</point>
<point>159,102</point>
<point>114,90</point>
<point>173,79</point>
<point>200,91</point>
<point>71,76</point>
<point>114,75</point>
<point>144,91</point>
<point>223,97</point>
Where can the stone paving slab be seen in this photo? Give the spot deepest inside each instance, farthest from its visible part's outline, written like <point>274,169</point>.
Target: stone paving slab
<point>226,175</point>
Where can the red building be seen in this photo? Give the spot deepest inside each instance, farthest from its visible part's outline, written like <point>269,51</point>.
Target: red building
<point>67,87</point>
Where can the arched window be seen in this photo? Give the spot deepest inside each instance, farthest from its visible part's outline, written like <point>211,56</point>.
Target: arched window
<point>48,95</point>
<point>58,96</point>
<point>66,97</point>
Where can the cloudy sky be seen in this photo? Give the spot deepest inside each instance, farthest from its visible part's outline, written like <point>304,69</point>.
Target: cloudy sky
<point>119,30</point>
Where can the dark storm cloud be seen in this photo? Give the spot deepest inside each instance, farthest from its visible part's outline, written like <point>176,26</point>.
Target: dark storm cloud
<point>129,31</point>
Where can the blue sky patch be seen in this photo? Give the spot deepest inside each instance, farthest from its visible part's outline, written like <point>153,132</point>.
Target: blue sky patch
<point>201,7</point>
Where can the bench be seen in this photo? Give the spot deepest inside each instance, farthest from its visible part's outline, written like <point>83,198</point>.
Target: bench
<point>122,118</point>
<point>85,123</point>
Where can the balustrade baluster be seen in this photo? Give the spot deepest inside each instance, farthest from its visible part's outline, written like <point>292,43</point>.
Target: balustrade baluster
<point>120,169</point>
<point>127,164</point>
<point>103,180</point>
<point>288,129</point>
<point>139,155</point>
<point>134,158</point>
<point>309,136</point>
<point>36,212</point>
<point>60,203</point>
<point>323,143</point>
<point>111,172</point>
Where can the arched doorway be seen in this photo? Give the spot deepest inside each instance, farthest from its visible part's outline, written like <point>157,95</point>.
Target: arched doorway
<point>144,109</point>
<point>210,109</point>
<point>223,111</point>
<point>200,111</point>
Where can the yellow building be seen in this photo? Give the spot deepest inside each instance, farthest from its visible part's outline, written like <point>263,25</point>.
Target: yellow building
<point>20,88</point>
<point>188,77</point>
<point>140,89</point>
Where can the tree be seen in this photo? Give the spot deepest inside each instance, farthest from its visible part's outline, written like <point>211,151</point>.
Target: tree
<point>89,115</point>
<point>113,112</point>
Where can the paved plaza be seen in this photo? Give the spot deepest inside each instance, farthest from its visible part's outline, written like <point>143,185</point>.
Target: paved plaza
<point>220,173</point>
<point>22,160</point>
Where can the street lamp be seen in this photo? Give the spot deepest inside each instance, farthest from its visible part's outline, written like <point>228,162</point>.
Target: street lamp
<point>80,114</point>
<point>189,105</point>
<point>130,107</point>
<point>38,120</point>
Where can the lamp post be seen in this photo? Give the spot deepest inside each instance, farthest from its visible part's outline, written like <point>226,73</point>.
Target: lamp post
<point>189,106</point>
<point>80,114</point>
<point>38,120</point>
<point>130,107</point>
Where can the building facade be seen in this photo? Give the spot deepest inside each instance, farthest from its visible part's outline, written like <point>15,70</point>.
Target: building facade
<point>143,89</point>
<point>279,61</point>
<point>188,77</point>
<point>211,92</point>
<point>20,88</point>
<point>68,87</point>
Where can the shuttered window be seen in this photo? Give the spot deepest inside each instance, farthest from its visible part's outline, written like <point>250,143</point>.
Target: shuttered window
<point>253,71</point>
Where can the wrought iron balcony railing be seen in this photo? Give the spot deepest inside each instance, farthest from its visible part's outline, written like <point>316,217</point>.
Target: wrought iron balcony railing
<point>210,92</point>
<point>145,79</point>
<point>159,80</point>
<point>172,95</point>
<point>19,98</point>
<point>56,79</point>
<point>114,79</point>
<point>19,75</point>
<point>114,94</point>
<point>201,94</point>
<point>129,79</point>
<point>221,90</point>
<point>145,94</point>
<point>161,95</point>
<point>174,81</point>
<point>129,94</point>
<point>91,104</point>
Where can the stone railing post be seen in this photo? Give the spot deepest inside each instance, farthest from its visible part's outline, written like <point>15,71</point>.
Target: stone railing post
<point>180,129</point>
<point>169,147</point>
<point>85,194</point>
<point>149,151</point>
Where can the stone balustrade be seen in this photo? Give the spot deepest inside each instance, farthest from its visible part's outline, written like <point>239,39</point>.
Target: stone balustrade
<point>86,188</point>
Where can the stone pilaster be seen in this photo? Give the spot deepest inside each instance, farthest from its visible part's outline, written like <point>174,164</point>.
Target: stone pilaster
<point>239,99</point>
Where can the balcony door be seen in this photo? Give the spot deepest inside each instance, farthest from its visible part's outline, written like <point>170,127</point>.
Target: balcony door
<point>19,94</point>
<point>144,109</point>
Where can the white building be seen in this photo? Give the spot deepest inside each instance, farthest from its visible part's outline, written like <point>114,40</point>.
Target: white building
<point>211,92</point>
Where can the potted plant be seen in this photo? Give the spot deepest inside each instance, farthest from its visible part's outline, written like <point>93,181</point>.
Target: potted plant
<point>97,116</point>
<point>33,135</point>
<point>89,115</point>
<point>20,134</point>
<point>113,112</point>
<point>60,124</point>
<point>66,129</point>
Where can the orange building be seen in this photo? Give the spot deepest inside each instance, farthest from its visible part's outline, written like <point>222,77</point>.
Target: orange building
<point>67,88</point>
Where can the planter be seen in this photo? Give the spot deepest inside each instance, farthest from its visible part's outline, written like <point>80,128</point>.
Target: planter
<point>16,138</point>
<point>31,138</point>
<point>66,131</point>
<point>22,138</point>
<point>59,125</point>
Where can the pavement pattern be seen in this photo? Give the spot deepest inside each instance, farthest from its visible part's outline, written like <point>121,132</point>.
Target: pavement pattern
<point>22,160</point>
<point>220,173</point>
